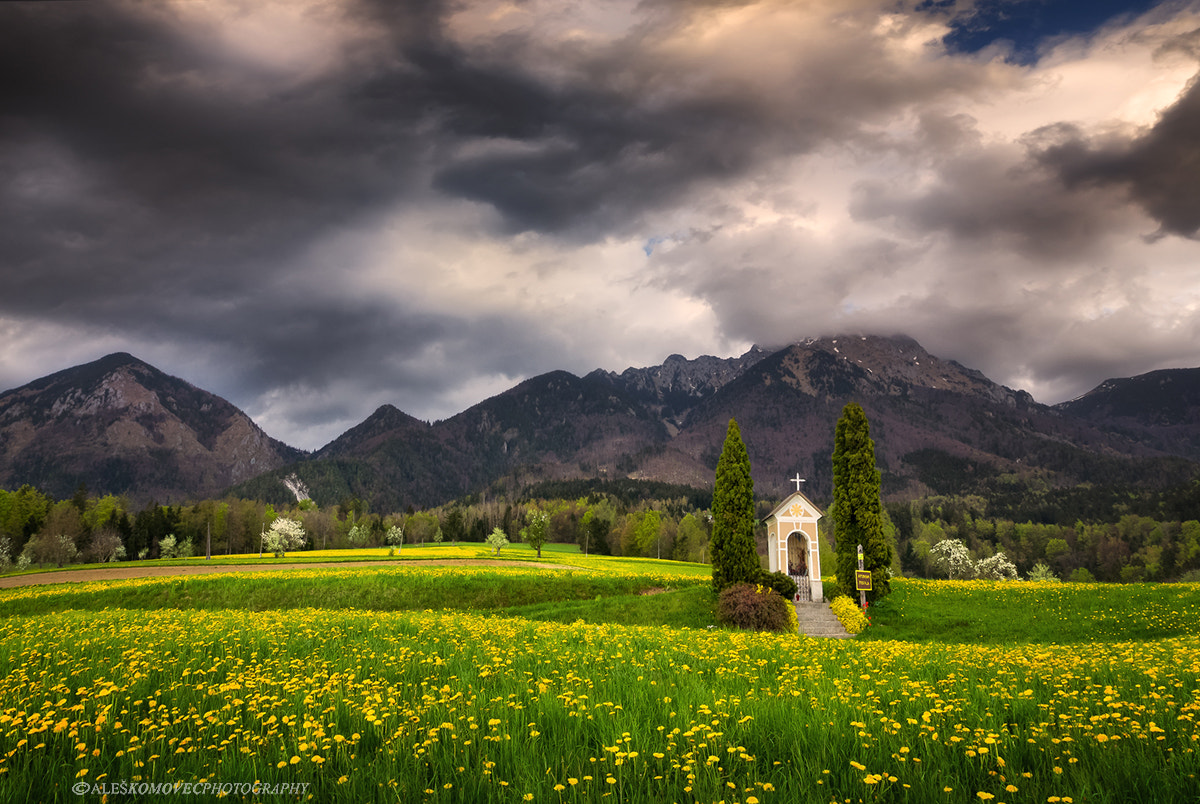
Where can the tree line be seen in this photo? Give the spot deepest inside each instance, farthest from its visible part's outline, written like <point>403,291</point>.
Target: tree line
<point>1130,547</point>
<point>624,520</point>
<point>36,529</point>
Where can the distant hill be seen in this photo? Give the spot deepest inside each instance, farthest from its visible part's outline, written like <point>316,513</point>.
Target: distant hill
<point>121,426</point>
<point>1160,409</point>
<point>939,428</point>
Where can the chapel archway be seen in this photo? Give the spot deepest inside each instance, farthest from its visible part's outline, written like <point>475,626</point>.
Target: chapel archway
<point>797,553</point>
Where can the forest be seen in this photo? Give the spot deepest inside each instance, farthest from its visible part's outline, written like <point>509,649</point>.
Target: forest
<point>1115,535</point>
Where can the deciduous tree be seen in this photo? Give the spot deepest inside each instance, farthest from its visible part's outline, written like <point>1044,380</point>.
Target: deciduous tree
<point>534,532</point>
<point>498,539</point>
<point>285,534</point>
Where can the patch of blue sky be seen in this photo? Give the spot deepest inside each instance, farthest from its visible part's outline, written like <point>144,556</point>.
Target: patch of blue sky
<point>653,243</point>
<point>1024,25</point>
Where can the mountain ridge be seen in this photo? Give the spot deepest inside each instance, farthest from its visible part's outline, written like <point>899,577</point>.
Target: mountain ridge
<point>661,423</point>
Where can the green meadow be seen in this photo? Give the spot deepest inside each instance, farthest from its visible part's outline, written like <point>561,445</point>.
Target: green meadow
<point>598,679</point>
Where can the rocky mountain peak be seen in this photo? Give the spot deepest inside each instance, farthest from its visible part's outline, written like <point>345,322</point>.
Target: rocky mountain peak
<point>887,365</point>
<point>122,426</point>
<point>674,387</point>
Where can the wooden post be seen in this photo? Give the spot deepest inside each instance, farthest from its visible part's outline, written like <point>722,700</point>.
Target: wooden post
<point>862,595</point>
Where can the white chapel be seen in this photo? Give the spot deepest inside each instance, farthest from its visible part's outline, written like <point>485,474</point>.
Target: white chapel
<point>792,544</point>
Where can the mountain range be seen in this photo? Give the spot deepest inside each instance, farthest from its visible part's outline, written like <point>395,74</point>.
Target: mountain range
<point>121,426</point>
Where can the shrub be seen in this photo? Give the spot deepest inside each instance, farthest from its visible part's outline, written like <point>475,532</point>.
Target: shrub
<point>1040,572</point>
<point>793,621</point>
<point>168,547</point>
<point>849,614</point>
<point>997,568</point>
<point>45,548</point>
<point>754,607</point>
<point>781,582</point>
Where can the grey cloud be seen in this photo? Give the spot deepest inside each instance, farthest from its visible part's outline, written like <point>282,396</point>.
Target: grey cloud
<point>1159,168</point>
<point>633,130</point>
<point>993,197</point>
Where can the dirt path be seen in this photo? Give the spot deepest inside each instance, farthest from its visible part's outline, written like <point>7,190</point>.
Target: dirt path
<point>118,572</point>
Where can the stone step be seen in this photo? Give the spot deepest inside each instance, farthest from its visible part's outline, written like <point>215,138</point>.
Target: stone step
<point>818,620</point>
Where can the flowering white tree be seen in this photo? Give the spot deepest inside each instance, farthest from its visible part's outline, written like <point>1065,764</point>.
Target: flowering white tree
<point>997,568</point>
<point>358,535</point>
<point>953,557</point>
<point>395,537</point>
<point>285,534</point>
<point>497,539</point>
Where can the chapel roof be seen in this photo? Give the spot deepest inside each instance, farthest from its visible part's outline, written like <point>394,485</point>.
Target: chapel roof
<point>792,499</point>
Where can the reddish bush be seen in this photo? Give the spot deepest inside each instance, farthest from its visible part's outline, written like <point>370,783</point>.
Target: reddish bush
<point>754,607</point>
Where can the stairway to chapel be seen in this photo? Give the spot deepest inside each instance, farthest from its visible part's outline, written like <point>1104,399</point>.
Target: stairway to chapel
<point>818,620</point>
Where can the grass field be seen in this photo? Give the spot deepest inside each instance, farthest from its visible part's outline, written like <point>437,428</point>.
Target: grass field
<point>564,554</point>
<point>1022,612</point>
<point>379,684</point>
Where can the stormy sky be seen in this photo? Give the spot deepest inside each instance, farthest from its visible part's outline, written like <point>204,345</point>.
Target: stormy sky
<point>313,207</point>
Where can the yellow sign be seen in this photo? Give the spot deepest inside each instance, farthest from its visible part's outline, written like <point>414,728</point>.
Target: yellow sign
<point>862,580</point>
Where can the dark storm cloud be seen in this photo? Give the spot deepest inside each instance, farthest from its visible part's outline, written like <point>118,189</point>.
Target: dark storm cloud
<point>147,168</point>
<point>1160,168</point>
<point>631,130</point>
<point>411,202</point>
<point>180,179</point>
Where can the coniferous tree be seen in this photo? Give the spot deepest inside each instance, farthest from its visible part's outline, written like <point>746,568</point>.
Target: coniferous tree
<point>857,510</point>
<point>734,558</point>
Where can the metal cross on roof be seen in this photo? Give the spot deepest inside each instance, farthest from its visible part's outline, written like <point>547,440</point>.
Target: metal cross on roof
<point>797,480</point>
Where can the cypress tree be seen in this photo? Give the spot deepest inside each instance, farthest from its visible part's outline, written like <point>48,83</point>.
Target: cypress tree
<point>858,516</point>
<point>734,557</point>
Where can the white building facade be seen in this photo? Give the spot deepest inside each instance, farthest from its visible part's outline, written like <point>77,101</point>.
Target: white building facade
<point>792,545</point>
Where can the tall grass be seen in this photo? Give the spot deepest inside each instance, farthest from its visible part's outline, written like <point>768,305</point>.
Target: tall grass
<point>390,588</point>
<point>1024,612</point>
<point>563,554</point>
<point>318,677</point>
<point>453,706</point>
